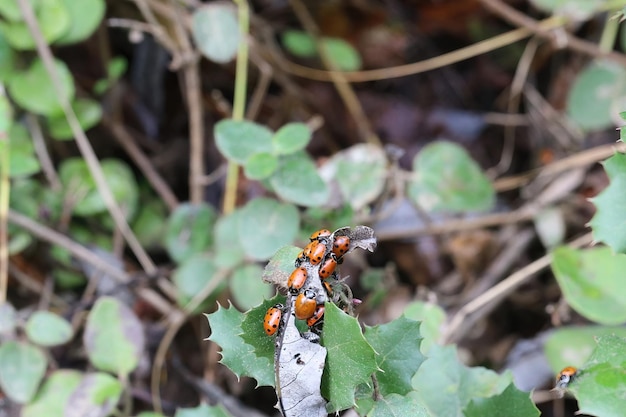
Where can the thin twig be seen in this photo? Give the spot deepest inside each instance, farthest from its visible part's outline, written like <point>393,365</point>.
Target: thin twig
<point>5,188</point>
<point>81,140</point>
<point>463,320</point>
<point>42,151</point>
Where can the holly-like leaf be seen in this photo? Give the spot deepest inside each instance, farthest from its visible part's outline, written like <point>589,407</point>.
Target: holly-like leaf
<point>53,395</point>
<point>350,361</point>
<point>48,329</point>
<point>253,333</point>
<point>238,356</point>
<point>592,282</point>
<point>395,405</point>
<point>265,225</point>
<point>608,224</point>
<point>448,179</point>
<point>602,380</point>
<point>397,344</point>
<point>113,337</point>
<point>511,403</point>
<point>445,386</point>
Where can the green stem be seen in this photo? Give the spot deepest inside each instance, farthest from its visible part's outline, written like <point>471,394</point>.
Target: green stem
<point>239,101</point>
<point>5,189</point>
<point>609,34</point>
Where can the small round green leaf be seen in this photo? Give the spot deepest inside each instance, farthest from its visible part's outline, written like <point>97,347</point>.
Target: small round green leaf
<point>216,32</point>
<point>48,329</point>
<point>150,223</point>
<point>260,166</point>
<point>84,18</point>
<point>10,9</point>
<point>193,275</point>
<point>247,288</point>
<point>265,225</point>
<point>228,252</point>
<point>603,83</point>
<point>446,178</point>
<point>54,394</point>
<point>88,112</point>
<point>22,160</point>
<point>21,368</point>
<point>113,337</point>
<point>592,282</point>
<point>239,140</point>
<point>189,230</point>
<point>578,10</point>
<point>296,180</point>
<point>8,319</point>
<point>203,411</point>
<point>291,138</point>
<point>33,90</point>
<point>53,20</point>
<point>97,395</point>
<point>7,60</point>
<point>299,43</point>
<point>342,55</point>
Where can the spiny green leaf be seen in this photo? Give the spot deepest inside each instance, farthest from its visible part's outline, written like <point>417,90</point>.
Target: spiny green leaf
<point>511,403</point>
<point>608,223</point>
<point>350,361</point>
<point>592,282</point>
<point>237,355</point>
<point>399,357</point>
<point>395,405</point>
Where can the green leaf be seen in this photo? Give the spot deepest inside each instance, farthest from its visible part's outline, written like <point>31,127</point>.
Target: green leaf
<point>592,282</point>
<point>291,138</point>
<point>579,10</point>
<point>342,55</point>
<point>608,224</point>
<point>360,171</point>
<point>395,405</point>
<point>193,275</point>
<point>397,345</point>
<point>54,394</point>
<point>23,161</point>
<point>350,361</point>
<point>150,223</point>
<point>296,180</point>
<point>116,67</point>
<point>78,182</point>
<point>216,32</point>
<point>511,403</point>
<point>189,230</point>
<point>53,20</point>
<point>8,320</point>
<point>299,43</point>
<point>239,140</point>
<point>238,356</point>
<point>203,411</point>
<point>265,225</point>
<point>88,113</point>
<point>432,318</point>
<point>446,386</point>
<point>84,18</point>
<point>447,179</point>
<point>602,83</point>
<point>33,90</point>
<point>280,266</point>
<point>229,252</point>
<point>247,288</point>
<point>572,346</point>
<point>602,381</point>
<point>97,394</point>
<point>7,60</point>
<point>22,366</point>
<point>260,166</point>
<point>11,10</point>
<point>48,329</point>
<point>113,337</point>
<point>253,334</point>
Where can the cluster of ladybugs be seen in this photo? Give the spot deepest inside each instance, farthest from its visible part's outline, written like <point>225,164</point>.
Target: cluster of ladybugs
<point>305,305</point>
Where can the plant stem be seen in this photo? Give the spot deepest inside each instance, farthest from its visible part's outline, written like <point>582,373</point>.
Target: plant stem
<point>239,101</point>
<point>609,33</point>
<point>5,147</point>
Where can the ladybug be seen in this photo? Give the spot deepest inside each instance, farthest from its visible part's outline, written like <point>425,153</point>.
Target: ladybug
<point>296,280</point>
<point>328,288</point>
<point>318,315</point>
<point>272,319</point>
<point>306,252</point>
<point>328,266</point>
<point>299,259</point>
<point>317,251</point>
<point>565,377</point>
<point>341,245</point>
<point>320,235</point>
<point>305,305</point>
